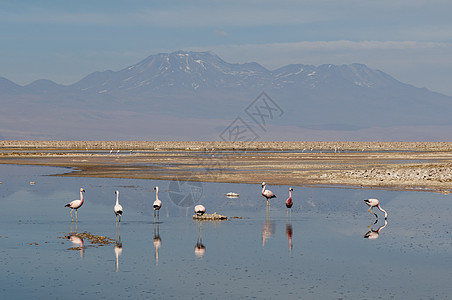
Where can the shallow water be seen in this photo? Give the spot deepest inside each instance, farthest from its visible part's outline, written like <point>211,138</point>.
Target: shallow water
<point>318,253</point>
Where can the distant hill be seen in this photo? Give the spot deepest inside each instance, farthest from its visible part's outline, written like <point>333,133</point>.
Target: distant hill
<point>196,95</point>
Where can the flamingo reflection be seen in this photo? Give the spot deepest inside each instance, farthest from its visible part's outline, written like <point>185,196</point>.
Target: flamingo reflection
<point>118,245</point>
<point>118,252</point>
<point>200,249</point>
<point>268,228</point>
<point>157,242</point>
<point>374,234</point>
<point>289,231</point>
<point>78,243</point>
<point>76,239</point>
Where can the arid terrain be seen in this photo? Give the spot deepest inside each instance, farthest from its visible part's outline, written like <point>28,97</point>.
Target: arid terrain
<point>388,165</point>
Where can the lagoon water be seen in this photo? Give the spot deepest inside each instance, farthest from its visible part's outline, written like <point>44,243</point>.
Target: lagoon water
<point>318,253</point>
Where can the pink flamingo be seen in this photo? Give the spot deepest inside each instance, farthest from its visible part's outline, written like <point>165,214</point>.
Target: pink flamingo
<point>375,203</point>
<point>200,209</point>
<point>157,203</point>
<point>76,204</point>
<point>267,193</point>
<point>289,202</point>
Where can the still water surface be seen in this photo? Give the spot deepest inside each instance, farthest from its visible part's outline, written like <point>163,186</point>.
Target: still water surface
<point>318,253</point>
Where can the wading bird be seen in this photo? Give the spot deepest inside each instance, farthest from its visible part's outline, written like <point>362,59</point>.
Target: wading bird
<point>289,202</point>
<point>267,193</point>
<point>118,208</point>
<point>200,209</point>
<point>157,203</point>
<point>76,204</point>
<point>375,203</point>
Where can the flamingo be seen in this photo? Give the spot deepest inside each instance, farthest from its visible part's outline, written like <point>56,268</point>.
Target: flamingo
<point>200,209</point>
<point>157,203</point>
<point>289,201</point>
<point>267,193</point>
<point>118,208</point>
<point>76,204</point>
<point>375,203</point>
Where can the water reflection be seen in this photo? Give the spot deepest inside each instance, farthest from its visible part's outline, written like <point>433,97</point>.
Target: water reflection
<point>118,245</point>
<point>268,228</point>
<point>157,242</point>
<point>78,243</point>
<point>200,249</point>
<point>289,232</point>
<point>374,234</point>
<point>72,225</point>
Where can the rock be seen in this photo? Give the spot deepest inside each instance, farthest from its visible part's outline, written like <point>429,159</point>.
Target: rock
<point>210,217</point>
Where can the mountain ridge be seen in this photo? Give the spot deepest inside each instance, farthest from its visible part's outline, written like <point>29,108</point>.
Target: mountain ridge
<point>200,85</point>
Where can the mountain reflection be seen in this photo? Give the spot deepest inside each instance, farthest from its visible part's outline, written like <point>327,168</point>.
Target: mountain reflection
<point>374,234</point>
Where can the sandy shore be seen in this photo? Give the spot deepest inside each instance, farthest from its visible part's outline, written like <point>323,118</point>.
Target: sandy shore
<point>389,165</point>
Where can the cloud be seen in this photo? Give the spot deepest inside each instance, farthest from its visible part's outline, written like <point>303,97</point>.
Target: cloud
<point>220,33</point>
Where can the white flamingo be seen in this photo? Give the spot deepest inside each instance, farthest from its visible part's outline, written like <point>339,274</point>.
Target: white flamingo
<point>200,210</point>
<point>267,193</point>
<point>157,203</point>
<point>118,207</point>
<point>375,203</point>
<point>76,204</point>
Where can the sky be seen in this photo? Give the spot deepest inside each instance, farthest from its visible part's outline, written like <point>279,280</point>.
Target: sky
<point>65,41</point>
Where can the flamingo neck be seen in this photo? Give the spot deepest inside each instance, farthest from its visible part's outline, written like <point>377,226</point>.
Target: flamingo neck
<point>263,189</point>
<point>157,193</point>
<point>81,196</point>
<point>117,199</point>
<point>381,209</point>
<point>290,194</point>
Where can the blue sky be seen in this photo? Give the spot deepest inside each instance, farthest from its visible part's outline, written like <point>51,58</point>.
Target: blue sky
<point>66,40</point>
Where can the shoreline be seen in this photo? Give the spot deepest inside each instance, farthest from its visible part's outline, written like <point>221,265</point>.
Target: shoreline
<point>425,166</point>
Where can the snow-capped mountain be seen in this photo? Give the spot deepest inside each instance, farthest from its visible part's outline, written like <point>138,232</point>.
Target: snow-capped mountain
<point>200,85</point>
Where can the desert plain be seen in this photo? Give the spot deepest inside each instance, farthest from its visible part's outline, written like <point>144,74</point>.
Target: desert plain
<point>422,166</point>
